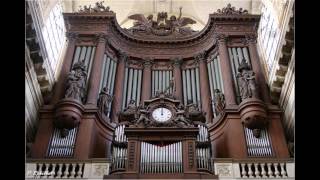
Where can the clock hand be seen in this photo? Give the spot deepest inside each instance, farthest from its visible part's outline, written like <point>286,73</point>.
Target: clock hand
<point>161,111</point>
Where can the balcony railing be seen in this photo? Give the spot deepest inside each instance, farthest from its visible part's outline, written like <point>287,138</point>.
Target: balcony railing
<point>255,168</point>
<point>66,169</point>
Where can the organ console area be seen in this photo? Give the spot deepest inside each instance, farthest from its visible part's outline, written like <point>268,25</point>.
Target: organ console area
<point>160,101</point>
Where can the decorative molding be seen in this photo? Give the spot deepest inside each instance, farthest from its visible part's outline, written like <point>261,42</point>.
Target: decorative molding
<point>99,170</point>
<point>224,170</point>
<point>190,154</point>
<point>132,151</point>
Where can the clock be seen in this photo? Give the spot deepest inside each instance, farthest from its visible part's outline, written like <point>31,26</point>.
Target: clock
<point>161,114</point>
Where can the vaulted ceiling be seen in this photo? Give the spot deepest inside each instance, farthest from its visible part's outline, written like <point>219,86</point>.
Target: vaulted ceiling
<point>198,10</point>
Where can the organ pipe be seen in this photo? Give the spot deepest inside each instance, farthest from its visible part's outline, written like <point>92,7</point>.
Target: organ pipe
<point>261,146</point>
<point>62,147</point>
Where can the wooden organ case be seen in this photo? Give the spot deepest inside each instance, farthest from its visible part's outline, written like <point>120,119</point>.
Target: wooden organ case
<point>160,100</point>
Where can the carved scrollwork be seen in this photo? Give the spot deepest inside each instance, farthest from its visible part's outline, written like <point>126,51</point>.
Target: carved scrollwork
<point>231,11</point>
<point>99,7</point>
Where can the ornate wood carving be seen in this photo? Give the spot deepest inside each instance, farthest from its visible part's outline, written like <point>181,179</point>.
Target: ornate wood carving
<point>132,152</point>
<point>162,65</point>
<point>172,27</point>
<point>231,11</point>
<point>190,154</point>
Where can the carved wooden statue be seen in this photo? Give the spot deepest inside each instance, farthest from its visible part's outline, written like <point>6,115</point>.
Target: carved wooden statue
<point>246,81</point>
<point>180,119</point>
<point>76,82</point>
<point>162,26</point>
<point>219,101</point>
<point>104,101</point>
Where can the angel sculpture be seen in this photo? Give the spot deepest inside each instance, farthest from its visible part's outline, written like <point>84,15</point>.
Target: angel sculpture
<point>162,26</point>
<point>178,24</point>
<point>142,23</point>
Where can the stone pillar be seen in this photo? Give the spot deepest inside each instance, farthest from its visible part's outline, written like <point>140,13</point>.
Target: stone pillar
<point>256,67</point>
<point>95,76</point>
<point>226,71</point>
<point>204,86</point>
<point>65,69</point>
<point>118,91</point>
<point>177,92</point>
<point>146,81</point>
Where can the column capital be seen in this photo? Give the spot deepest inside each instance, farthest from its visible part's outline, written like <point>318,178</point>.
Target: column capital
<point>123,56</point>
<point>176,61</point>
<point>251,37</point>
<point>200,56</point>
<point>147,61</point>
<point>100,37</point>
<point>72,36</point>
<point>221,37</point>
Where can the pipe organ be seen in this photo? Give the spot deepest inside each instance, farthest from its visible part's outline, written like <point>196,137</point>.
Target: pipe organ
<point>161,158</point>
<point>109,68</point>
<point>204,151</point>
<point>119,150</point>
<point>62,146</point>
<point>166,133</point>
<point>215,76</point>
<point>258,147</point>
<point>161,81</point>
<point>132,86</point>
<point>191,86</point>
<point>236,55</point>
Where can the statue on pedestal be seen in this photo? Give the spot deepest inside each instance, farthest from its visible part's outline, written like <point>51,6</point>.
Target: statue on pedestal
<point>246,81</point>
<point>104,101</point>
<point>76,82</point>
<point>219,101</point>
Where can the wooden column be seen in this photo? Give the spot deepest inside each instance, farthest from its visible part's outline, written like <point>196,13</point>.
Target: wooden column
<point>66,66</point>
<point>177,92</point>
<point>95,76</point>
<point>204,86</point>
<point>226,71</point>
<point>146,81</point>
<point>256,67</point>
<point>118,88</point>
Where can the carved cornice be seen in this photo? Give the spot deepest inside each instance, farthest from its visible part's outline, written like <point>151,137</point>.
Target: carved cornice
<point>135,64</point>
<point>98,8</point>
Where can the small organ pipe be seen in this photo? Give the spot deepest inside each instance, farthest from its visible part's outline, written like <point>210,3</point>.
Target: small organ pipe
<point>124,104</point>
<point>129,86</point>
<point>193,86</point>
<point>139,86</point>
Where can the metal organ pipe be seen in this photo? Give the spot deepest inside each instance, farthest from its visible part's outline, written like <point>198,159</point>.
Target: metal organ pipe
<point>193,88</point>
<point>258,146</point>
<point>184,87</point>
<point>139,86</point>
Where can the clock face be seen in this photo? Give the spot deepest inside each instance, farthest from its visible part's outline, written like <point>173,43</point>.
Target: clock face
<point>161,114</point>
